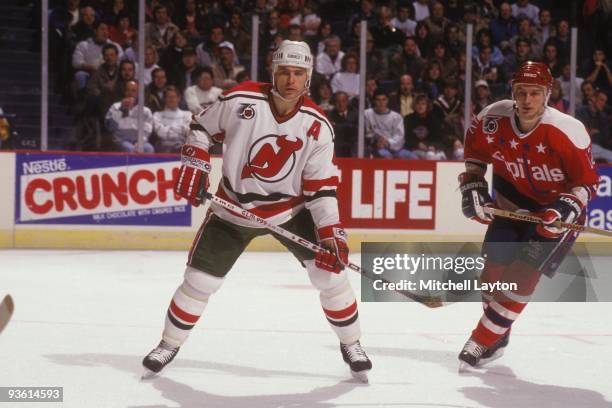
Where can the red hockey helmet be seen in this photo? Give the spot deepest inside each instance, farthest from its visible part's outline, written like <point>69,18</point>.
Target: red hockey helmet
<point>533,73</point>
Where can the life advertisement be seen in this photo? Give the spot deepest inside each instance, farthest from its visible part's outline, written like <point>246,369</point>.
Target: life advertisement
<point>600,207</point>
<point>387,194</point>
<point>94,189</point>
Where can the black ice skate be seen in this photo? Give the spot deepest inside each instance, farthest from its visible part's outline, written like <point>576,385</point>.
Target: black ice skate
<point>470,356</point>
<point>357,359</point>
<point>158,358</point>
<point>495,351</point>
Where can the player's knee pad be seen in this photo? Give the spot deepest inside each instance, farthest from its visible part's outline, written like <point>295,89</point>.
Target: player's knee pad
<point>326,281</point>
<point>199,284</point>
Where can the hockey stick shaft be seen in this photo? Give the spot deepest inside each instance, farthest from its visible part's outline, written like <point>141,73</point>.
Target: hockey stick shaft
<point>537,220</point>
<point>427,301</point>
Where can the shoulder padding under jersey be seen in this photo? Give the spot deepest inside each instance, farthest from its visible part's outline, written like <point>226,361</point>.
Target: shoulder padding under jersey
<point>248,88</point>
<point>501,108</point>
<point>567,125</point>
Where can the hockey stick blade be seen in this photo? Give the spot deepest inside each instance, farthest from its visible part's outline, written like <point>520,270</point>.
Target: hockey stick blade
<point>6,311</point>
<point>537,220</point>
<point>431,302</point>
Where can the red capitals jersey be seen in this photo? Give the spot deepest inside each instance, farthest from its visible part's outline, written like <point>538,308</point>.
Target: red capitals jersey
<point>531,169</point>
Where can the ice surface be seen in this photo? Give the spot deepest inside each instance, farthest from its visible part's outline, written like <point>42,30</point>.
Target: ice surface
<point>84,319</point>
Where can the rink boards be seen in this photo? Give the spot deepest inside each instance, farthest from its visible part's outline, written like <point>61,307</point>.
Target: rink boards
<point>118,201</point>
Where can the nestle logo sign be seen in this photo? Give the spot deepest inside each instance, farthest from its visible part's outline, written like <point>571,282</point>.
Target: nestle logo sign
<point>45,166</point>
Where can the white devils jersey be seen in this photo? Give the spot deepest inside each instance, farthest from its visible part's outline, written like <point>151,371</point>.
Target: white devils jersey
<point>273,166</point>
<point>531,169</point>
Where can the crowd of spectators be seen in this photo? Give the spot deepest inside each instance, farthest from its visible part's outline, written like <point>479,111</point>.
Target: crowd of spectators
<point>415,65</point>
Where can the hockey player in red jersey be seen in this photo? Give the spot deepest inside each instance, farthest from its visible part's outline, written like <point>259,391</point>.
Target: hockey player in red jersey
<point>277,163</point>
<point>542,163</point>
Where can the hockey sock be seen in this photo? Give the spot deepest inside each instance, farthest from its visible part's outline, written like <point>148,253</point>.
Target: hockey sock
<point>187,305</point>
<point>491,273</point>
<point>506,306</point>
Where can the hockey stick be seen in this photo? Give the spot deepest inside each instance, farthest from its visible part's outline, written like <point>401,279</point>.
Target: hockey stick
<point>6,311</point>
<point>431,302</point>
<point>537,220</point>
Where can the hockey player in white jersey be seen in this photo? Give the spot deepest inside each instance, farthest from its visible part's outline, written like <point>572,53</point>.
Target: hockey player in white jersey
<point>278,164</point>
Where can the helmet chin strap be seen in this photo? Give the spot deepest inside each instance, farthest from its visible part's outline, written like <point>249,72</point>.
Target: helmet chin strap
<point>278,95</point>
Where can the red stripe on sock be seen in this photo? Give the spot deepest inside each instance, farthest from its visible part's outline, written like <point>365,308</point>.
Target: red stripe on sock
<point>341,314</point>
<point>183,315</point>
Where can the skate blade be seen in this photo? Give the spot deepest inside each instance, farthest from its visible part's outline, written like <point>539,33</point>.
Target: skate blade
<point>484,361</point>
<point>148,374</point>
<point>361,376</point>
<point>465,368</point>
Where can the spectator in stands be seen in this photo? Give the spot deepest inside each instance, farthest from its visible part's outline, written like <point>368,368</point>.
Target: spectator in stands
<point>449,65</point>
<point>292,14</point>
<point>87,55</point>
<point>595,120</point>
<point>422,130</point>
<point>386,37</point>
<point>525,32</point>
<point>151,59</point>
<point>587,90</point>
<point>552,58</point>
<point>85,28</point>
<point>203,93</point>
<point>454,44</point>
<point>408,61</point>
<point>344,120</point>
<point>131,53</point>
<point>484,67</point>
<point>154,93</point>
<point>482,96</point>
<point>243,76</point>
<point>113,12</point>
<point>347,80</point>
<point>448,103</point>
<point>544,29</point>
<point>423,39</point>
<point>208,51</point>
<point>172,57</point>
<point>483,39</point>
<point>323,96</point>
<point>5,130</point>
<point>514,60</point>
<point>324,32</point>
<point>160,31</point>
<point>524,8</point>
<point>431,81</point>
<point>563,39</point>
<point>64,16</point>
<point>171,125</point>
<point>329,61</point>
<point>295,33</point>
<point>598,70</point>
<point>376,61</point>
<point>225,71</point>
<point>557,99</point>
<point>61,20</point>
<point>402,101</point>
<point>189,64</point>
<point>384,129</point>
<point>404,20</point>
<point>190,19</point>
<point>311,21</point>
<point>272,28</point>
<point>123,33</point>
<point>436,22</point>
<point>237,36</point>
<point>504,27</point>
<point>101,87</point>
<point>122,121</point>
<point>565,81</point>
<point>365,13</point>
<point>421,10</point>
<point>470,16</point>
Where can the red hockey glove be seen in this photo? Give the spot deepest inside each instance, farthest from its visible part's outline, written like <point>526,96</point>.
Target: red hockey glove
<point>192,181</point>
<point>332,238</point>
<point>475,195</point>
<point>566,208</point>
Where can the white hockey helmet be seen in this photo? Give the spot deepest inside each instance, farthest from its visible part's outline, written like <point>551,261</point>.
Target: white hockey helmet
<point>293,54</point>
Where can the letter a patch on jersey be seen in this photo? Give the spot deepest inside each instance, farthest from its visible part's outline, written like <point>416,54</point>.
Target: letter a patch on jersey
<point>314,130</point>
<point>271,158</point>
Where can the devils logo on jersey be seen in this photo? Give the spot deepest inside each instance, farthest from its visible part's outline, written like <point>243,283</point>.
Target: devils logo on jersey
<point>271,158</point>
<point>246,111</point>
